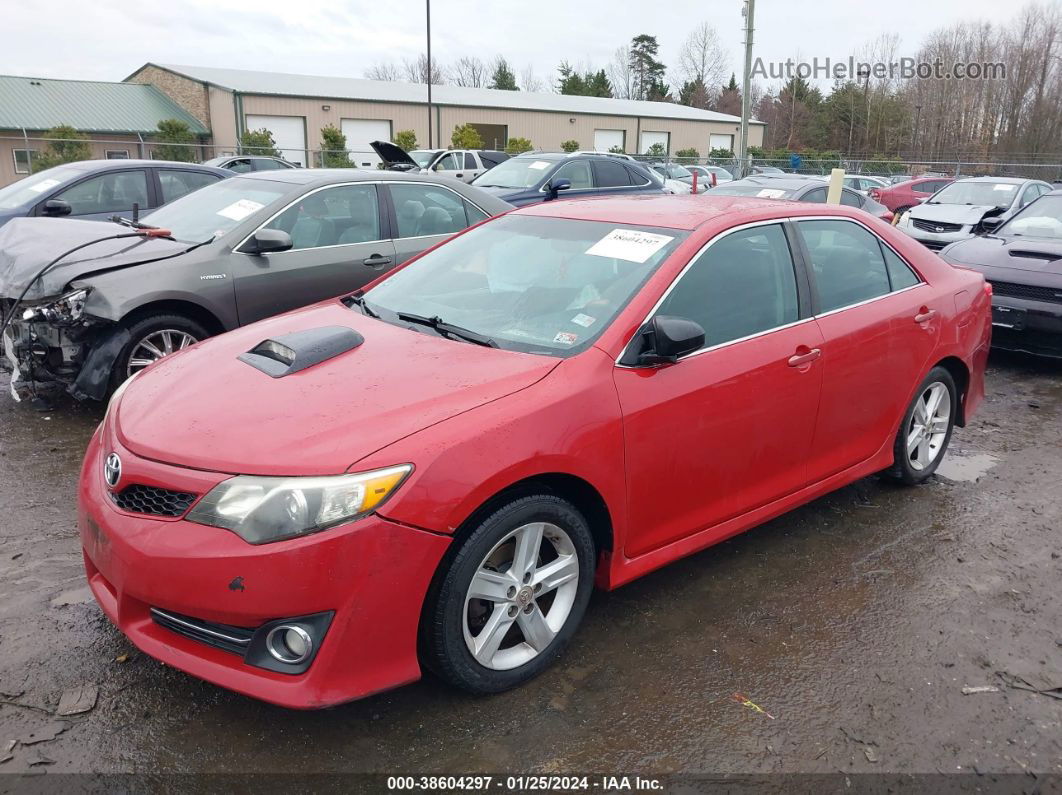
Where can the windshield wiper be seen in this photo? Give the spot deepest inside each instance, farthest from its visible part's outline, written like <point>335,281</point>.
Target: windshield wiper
<point>448,329</point>
<point>359,300</point>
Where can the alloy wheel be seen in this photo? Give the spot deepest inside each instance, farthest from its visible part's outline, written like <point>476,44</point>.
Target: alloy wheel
<point>520,596</point>
<point>929,425</point>
<point>156,345</point>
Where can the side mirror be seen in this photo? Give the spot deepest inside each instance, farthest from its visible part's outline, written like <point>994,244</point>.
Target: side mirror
<point>553,187</point>
<point>991,224</point>
<point>268,241</point>
<point>56,207</point>
<point>662,341</point>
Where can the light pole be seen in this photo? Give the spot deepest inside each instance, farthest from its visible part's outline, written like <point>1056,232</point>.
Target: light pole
<point>746,88</point>
<point>427,9</point>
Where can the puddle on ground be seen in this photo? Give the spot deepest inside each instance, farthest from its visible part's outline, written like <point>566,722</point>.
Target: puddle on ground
<point>966,468</point>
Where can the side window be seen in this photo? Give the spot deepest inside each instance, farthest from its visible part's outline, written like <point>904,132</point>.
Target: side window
<point>116,191</point>
<point>742,284</point>
<point>178,183</point>
<point>638,178</point>
<point>817,196</point>
<point>427,210</point>
<point>578,171</point>
<point>925,187</point>
<point>336,216</point>
<point>449,162</point>
<point>268,164</point>
<point>241,166</point>
<point>470,161</point>
<point>851,198</point>
<point>610,174</point>
<point>900,273</point>
<point>847,262</point>
<point>475,215</point>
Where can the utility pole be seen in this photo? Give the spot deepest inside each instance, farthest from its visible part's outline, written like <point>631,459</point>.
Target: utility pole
<point>427,7</point>
<point>746,88</point>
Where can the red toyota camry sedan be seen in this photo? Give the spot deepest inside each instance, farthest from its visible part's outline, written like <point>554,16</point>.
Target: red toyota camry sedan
<point>437,470</point>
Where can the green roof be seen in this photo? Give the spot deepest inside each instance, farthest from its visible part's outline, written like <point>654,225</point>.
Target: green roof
<point>39,104</point>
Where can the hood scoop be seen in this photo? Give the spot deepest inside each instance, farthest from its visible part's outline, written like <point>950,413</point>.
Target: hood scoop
<point>290,353</point>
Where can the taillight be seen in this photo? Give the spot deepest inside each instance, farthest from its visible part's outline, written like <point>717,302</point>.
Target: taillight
<point>874,193</point>
<point>988,289</point>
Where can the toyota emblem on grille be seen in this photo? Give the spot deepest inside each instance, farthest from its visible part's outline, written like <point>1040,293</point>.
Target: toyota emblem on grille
<point>112,470</point>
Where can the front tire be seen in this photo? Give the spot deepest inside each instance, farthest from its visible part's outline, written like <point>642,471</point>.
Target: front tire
<point>926,429</point>
<point>150,339</point>
<point>512,596</point>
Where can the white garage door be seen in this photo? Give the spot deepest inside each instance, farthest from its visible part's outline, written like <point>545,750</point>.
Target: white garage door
<point>288,131</point>
<point>650,138</point>
<point>604,140</point>
<point>360,133</point>
<point>716,141</point>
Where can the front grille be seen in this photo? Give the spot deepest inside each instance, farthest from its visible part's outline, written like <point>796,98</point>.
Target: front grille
<point>1048,294</point>
<point>222,636</point>
<point>933,246</point>
<point>153,501</point>
<point>935,226</point>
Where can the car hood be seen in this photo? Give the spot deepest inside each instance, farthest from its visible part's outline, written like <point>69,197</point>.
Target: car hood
<point>392,154</point>
<point>1019,253</point>
<point>28,244</point>
<point>954,213</point>
<point>204,408</point>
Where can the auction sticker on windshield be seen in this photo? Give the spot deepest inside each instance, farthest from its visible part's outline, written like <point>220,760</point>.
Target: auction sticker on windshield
<point>240,209</point>
<point>771,193</point>
<point>538,165</point>
<point>629,244</point>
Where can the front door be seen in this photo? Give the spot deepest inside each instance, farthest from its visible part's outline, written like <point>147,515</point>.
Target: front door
<point>338,245</point>
<point>725,430</point>
<point>111,193</point>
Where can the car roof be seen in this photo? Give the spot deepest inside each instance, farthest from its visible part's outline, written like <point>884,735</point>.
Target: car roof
<point>678,211</point>
<point>1004,180</point>
<point>106,165</point>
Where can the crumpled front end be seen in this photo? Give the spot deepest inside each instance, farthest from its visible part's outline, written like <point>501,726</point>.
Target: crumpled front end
<point>48,352</point>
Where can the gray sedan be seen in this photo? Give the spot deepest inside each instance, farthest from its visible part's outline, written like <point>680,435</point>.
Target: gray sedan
<point>240,250</point>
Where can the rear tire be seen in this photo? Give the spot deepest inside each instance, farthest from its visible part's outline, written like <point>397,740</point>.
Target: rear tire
<point>924,434</point>
<point>512,596</point>
<point>151,336</point>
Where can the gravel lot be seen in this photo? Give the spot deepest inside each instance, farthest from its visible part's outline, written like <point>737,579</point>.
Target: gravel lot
<point>855,622</point>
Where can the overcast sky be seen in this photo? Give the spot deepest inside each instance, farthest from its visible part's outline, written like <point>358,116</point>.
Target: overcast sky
<point>108,39</point>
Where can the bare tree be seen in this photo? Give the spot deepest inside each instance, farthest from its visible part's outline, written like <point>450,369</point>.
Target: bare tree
<point>384,71</point>
<point>529,80</point>
<point>703,58</point>
<point>468,71</point>
<point>416,70</point>
<point>619,73</point>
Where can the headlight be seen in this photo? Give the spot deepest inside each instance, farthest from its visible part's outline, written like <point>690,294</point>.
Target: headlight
<point>264,509</point>
<point>65,310</point>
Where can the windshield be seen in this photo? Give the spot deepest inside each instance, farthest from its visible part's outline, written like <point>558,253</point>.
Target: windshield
<point>542,285</point>
<point>760,191</point>
<point>30,188</point>
<point>422,157</point>
<point>675,171</point>
<point>517,172</point>
<point>1042,218</point>
<point>993,194</point>
<point>216,209</point>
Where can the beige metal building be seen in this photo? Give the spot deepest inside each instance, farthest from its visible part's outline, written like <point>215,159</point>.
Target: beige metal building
<point>295,108</point>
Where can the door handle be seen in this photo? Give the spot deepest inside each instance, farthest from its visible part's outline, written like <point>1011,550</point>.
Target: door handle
<point>377,261</point>
<point>807,357</point>
<point>459,176</point>
<point>925,315</point>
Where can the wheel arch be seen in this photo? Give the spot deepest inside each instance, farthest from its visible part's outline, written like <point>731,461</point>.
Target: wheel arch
<point>960,373</point>
<point>176,306</point>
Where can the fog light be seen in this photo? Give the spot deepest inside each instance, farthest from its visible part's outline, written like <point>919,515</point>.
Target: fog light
<point>289,644</point>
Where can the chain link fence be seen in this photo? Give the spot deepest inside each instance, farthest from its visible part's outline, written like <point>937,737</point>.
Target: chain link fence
<point>23,155</point>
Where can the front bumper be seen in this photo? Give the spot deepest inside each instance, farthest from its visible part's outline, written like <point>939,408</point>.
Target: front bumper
<point>372,575</point>
<point>1027,326</point>
<point>77,359</point>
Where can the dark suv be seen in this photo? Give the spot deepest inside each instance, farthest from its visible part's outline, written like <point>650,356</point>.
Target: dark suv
<point>537,177</point>
<point>97,189</point>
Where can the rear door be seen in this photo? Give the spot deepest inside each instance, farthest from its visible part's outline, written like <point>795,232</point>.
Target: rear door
<point>424,214</point>
<point>727,429</point>
<point>879,324</point>
<point>341,241</point>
